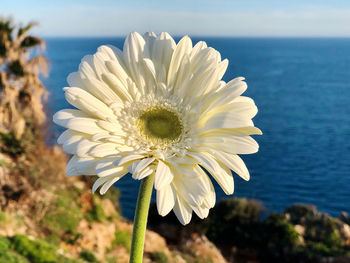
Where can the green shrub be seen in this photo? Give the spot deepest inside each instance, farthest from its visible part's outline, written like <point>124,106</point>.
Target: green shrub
<point>88,256</point>
<point>96,213</point>
<point>35,250</point>
<point>4,244</point>
<point>122,238</point>
<point>7,255</point>
<point>279,239</point>
<point>159,257</point>
<point>65,216</point>
<point>280,231</point>
<point>10,145</point>
<point>300,213</point>
<point>239,222</point>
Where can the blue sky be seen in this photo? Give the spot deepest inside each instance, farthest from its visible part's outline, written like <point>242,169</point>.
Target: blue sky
<point>307,18</point>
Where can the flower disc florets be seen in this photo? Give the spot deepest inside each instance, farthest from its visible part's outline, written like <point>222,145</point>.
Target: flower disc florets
<point>160,125</point>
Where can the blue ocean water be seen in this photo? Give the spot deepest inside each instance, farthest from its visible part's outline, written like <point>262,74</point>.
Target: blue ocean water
<point>302,90</point>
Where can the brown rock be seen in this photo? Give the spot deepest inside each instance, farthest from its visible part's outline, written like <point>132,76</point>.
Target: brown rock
<point>300,229</point>
<point>201,248</point>
<point>345,233</point>
<point>96,237</point>
<point>108,207</point>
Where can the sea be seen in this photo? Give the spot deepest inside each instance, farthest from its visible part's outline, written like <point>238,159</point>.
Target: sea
<point>302,89</point>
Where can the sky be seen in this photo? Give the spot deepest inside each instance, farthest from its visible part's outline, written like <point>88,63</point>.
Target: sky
<point>230,18</point>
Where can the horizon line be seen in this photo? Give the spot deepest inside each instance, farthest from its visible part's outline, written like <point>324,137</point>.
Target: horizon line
<point>195,36</point>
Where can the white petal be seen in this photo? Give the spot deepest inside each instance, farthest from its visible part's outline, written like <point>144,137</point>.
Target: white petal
<point>70,140</point>
<point>71,143</point>
<point>220,173</point>
<point>107,185</point>
<point>100,181</point>
<point>100,90</point>
<point>210,199</point>
<point>107,167</point>
<point>183,48</point>
<point>234,162</point>
<point>143,164</point>
<point>71,169</point>
<point>182,211</point>
<point>82,147</point>
<point>143,173</point>
<point>164,175</point>
<point>113,127</point>
<point>67,114</point>
<point>228,93</point>
<point>89,104</point>
<point>130,158</point>
<point>107,181</point>
<point>223,120</point>
<point>67,134</point>
<point>104,149</point>
<point>248,130</point>
<point>202,212</point>
<point>150,66</point>
<point>235,144</point>
<point>149,38</point>
<point>133,53</point>
<point>86,66</point>
<point>244,106</point>
<point>81,166</point>
<point>118,86</point>
<point>118,70</point>
<point>163,48</point>
<point>108,51</point>
<point>76,120</point>
<point>188,182</point>
<point>198,47</point>
<point>166,198</point>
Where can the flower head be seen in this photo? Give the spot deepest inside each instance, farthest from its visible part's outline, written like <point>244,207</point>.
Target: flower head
<point>159,107</point>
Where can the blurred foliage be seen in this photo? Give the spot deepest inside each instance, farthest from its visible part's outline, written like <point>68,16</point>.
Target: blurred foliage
<point>239,222</point>
<point>88,256</point>
<point>159,257</point>
<point>22,249</point>
<point>10,145</point>
<point>64,215</point>
<point>19,74</point>
<point>7,255</point>
<point>242,226</point>
<point>96,213</point>
<point>16,68</point>
<point>122,238</point>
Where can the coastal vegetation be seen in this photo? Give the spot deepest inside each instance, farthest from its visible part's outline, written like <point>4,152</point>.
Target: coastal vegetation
<point>245,232</point>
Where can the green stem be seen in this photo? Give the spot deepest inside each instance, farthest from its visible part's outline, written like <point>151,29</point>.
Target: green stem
<point>140,220</point>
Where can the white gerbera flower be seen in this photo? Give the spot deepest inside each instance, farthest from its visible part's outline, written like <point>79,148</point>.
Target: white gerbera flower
<point>157,107</point>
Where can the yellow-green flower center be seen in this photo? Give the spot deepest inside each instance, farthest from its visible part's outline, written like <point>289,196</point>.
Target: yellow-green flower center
<point>159,123</point>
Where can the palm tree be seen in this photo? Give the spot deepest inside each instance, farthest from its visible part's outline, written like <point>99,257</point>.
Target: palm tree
<point>21,91</point>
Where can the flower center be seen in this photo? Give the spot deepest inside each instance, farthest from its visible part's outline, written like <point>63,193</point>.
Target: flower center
<point>159,123</point>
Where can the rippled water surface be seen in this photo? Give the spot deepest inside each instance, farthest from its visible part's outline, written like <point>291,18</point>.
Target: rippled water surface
<point>302,89</point>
